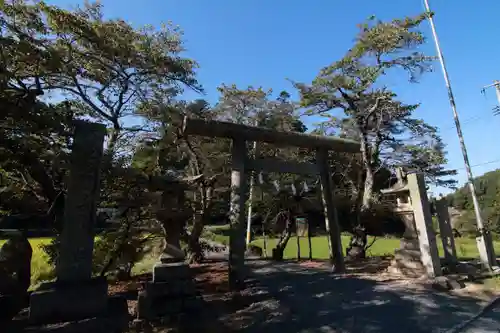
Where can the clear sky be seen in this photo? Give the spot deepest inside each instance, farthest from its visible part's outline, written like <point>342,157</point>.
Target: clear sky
<point>263,42</point>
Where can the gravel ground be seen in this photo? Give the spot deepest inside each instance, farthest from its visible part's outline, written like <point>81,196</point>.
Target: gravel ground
<point>307,297</point>
<point>289,297</point>
<point>486,321</point>
<point>300,298</point>
<point>292,297</point>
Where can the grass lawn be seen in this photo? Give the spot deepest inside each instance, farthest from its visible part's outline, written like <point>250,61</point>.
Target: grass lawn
<point>466,248</point>
<point>42,270</point>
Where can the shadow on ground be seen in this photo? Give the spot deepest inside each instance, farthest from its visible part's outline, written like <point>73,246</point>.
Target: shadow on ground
<point>306,297</point>
<point>293,298</point>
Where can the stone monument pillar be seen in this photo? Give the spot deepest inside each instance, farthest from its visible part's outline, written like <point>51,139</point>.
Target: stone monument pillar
<point>423,223</point>
<point>75,294</point>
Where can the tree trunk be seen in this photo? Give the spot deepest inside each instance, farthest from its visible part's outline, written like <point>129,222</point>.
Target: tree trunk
<point>264,234</point>
<point>194,249</point>
<point>172,231</point>
<point>358,243</point>
<point>298,240</point>
<point>113,139</point>
<point>278,251</point>
<point>359,239</point>
<point>56,212</point>
<point>309,239</point>
<point>118,250</point>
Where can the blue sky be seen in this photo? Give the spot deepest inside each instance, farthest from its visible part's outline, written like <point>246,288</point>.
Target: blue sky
<point>264,42</point>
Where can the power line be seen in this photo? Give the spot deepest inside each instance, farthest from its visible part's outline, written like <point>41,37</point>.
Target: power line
<point>467,121</point>
<point>481,164</point>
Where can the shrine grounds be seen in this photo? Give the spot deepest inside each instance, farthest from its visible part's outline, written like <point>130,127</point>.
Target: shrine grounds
<point>381,247</point>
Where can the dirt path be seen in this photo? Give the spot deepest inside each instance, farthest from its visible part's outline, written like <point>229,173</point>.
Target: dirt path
<point>294,298</point>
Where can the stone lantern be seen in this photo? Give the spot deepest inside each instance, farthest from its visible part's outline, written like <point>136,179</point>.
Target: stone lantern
<point>400,193</point>
<point>172,212</point>
<point>408,258</point>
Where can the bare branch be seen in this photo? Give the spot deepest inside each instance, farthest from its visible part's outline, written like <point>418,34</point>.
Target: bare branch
<point>82,94</point>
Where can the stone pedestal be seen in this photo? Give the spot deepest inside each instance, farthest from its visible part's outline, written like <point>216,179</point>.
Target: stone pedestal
<point>114,318</point>
<point>171,292</point>
<point>69,301</point>
<point>407,259</point>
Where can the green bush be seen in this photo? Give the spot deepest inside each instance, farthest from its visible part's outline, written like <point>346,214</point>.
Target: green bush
<point>52,250</point>
<point>117,252</point>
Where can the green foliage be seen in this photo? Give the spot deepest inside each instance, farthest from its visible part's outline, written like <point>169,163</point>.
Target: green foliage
<point>106,70</point>
<point>104,66</point>
<point>117,252</point>
<point>51,249</point>
<point>488,192</point>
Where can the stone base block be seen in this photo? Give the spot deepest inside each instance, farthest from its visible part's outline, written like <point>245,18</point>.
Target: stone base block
<point>10,305</point>
<point>171,288</point>
<point>193,303</point>
<point>407,263</point>
<point>115,320</point>
<point>171,271</point>
<point>411,273</point>
<point>171,292</point>
<point>443,283</point>
<point>56,302</point>
<point>153,308</point>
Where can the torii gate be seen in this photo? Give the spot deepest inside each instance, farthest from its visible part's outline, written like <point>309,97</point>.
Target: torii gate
<point>242,163</point>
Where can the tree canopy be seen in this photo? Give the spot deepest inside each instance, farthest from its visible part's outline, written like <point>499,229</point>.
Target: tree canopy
<point>389,133</point>
<point>133,79</point>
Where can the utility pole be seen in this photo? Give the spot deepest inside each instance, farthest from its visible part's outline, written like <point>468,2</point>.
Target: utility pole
<point>484,242</point>
<point>495,84</point>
